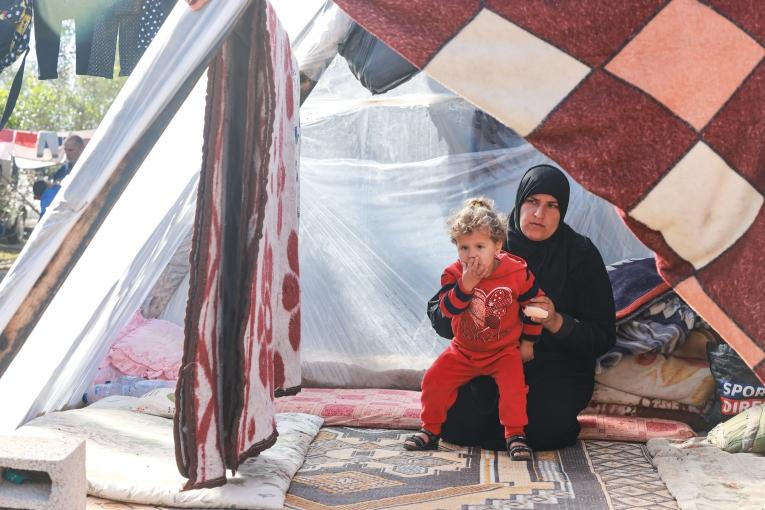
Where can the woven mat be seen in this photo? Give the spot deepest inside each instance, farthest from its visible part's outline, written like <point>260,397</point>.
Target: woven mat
<point>352,468</point>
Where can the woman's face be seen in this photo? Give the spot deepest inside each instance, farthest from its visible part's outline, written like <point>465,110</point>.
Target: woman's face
<point>540,216</point>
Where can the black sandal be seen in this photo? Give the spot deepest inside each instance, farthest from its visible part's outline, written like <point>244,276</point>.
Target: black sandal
<point>521,451</point>
<point>416,443</point>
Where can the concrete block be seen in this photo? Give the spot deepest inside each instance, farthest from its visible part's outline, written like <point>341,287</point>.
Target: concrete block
<point>55,468</point>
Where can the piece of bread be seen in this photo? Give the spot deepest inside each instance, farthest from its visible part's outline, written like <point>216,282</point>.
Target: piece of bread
<point>535,312</point>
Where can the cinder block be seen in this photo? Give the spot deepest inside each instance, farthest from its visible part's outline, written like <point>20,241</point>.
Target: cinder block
<point>57,473</point>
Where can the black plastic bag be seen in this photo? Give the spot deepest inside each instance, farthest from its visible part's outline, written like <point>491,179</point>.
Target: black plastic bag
<point>377,67</point>
<point>736,387</point>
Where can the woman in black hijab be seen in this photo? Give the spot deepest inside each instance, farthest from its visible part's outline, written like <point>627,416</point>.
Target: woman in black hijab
<point>579,328</point>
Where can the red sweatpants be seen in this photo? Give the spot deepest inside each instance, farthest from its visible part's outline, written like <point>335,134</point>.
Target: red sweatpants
<point>455,366</point>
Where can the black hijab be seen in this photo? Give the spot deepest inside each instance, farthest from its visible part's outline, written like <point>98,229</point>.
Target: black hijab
<point>548,259</point>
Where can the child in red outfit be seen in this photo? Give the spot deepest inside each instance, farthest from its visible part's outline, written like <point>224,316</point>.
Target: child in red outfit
<point>482,293</point>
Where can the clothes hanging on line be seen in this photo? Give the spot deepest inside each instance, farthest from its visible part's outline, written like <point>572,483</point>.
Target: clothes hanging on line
<point>99,26</point>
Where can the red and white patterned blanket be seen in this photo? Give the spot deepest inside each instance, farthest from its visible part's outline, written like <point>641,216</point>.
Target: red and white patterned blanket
<point>655,105</point>
<point>243,314</point>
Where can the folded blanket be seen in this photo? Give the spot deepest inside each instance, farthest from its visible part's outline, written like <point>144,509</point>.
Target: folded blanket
<point>694,419</point>
<point>636,284</point>
<point>621,428</point>
<point>661,327</point>
<point>605,395</point>
<point>683,380</point>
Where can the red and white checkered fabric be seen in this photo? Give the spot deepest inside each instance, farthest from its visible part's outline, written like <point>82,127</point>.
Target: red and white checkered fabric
<point>655,105</point>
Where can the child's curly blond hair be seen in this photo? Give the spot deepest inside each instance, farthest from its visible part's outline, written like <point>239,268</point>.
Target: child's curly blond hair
<point>478,214</point>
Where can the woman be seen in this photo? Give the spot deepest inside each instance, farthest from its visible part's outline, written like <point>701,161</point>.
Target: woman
<point>579,327</point>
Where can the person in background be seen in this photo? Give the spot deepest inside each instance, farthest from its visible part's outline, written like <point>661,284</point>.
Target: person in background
<point>579,327</point>
<point>45,194</point>
<point>482,293</point>
<point>73,147</point>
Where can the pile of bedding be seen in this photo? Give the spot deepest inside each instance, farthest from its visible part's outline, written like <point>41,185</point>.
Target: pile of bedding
<point>659,366</point>
<point>145,355</point>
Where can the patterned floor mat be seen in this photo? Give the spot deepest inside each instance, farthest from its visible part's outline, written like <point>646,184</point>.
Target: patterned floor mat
<point>629,476</point>
<point>367,469</point>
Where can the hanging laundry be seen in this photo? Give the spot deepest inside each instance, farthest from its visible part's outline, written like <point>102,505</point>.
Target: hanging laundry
<point>49,15</point>
<point>117,18</point>
<point>99,25</point>
<point>6,144</point>
<point>25,144</point>
<point>47,140</point>
<point>153,15</point>
<point>15,20</point>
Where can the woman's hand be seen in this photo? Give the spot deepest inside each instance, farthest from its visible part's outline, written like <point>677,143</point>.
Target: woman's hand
<point>527,351</point>
<point>473,272</point>
<point>554,321</point>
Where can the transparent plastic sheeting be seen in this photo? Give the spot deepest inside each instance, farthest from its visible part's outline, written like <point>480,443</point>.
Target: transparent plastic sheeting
<point>379,178</point>
<point>178,50</point>
<point>416,121</point>
<point>373,244</point>
<point>317,43</point>
<point>113,276</point>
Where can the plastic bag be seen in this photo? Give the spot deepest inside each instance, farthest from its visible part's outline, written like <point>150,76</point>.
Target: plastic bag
<point>744,432</point>
<point>736,387</point>
<point>377,67</point>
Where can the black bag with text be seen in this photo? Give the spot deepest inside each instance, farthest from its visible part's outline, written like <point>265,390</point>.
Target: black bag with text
<point>736,387</point>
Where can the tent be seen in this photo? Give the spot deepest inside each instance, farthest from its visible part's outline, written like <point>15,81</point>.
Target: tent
<point>371,213</point>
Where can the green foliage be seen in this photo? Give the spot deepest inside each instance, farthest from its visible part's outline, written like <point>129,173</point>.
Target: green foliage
<point>60,105</point>
<point>54,105</point>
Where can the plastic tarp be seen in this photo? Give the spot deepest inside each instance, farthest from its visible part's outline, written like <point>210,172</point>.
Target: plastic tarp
<point>379,178</point>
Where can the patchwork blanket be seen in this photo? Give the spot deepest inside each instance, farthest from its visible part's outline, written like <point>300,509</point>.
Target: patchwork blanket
<point>243,317</point>
<point>620,95</point>
<point>131,457</point>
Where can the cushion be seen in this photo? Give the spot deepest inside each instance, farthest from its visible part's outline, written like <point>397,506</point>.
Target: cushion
<point>629,428</point>
<point>159,402</point>
<point>373,408</point>
<point>152,350</point>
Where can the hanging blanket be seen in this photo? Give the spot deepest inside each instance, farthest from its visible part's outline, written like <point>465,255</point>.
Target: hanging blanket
<point>243,316</point>
<point>654,105</point>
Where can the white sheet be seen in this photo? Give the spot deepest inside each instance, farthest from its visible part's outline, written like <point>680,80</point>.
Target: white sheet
<point>703,477</point>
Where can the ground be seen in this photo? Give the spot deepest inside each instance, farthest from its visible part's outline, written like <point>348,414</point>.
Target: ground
<point>8,253</point>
